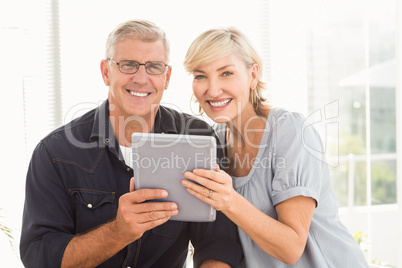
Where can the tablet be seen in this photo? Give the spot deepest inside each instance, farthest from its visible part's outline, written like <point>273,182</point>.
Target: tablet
<point>159,162</point>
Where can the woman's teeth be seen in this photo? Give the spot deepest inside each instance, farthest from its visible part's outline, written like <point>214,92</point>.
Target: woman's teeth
<point>219,103</point>
<point>138,94</point>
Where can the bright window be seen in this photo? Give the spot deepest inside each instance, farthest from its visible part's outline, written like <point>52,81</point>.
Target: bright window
<point>333,60</point>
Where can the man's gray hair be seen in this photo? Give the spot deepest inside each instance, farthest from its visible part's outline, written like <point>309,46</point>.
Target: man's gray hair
<point>143,30</point>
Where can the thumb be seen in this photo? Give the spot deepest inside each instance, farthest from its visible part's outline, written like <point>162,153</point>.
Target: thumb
<point>217,168</point>
<point>132,184</point>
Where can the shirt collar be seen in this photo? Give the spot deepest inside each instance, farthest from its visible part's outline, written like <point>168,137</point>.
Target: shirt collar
<point>103,130</point>
<point>168,124</point>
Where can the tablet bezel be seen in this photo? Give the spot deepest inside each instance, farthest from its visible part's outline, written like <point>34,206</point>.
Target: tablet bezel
<point>155,146</point>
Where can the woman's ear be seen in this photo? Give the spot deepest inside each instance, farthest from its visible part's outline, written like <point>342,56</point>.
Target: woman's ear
<point>105,71</point>
<point>254,75</point>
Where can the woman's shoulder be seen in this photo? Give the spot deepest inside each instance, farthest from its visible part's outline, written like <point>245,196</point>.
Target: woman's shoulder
<point>285,119</point>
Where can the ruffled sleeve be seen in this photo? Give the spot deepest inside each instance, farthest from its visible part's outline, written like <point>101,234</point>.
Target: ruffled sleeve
<point>298,158</point>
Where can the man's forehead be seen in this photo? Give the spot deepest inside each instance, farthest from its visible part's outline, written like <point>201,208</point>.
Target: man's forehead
<point>135,47</point>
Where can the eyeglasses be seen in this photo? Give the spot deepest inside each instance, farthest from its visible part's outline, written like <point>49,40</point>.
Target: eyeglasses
<point>132,66</point>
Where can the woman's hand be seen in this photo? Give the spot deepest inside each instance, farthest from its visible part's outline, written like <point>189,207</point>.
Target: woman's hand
<point>215,187</point>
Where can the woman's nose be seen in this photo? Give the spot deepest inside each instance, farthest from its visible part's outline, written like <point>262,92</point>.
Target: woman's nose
<point>214,89</point>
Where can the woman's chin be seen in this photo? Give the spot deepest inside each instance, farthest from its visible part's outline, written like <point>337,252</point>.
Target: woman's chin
<point>220,119</point>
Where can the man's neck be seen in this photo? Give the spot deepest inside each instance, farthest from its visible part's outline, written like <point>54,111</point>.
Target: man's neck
<point>124,127</point>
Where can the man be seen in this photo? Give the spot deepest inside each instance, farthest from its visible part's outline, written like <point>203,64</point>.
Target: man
<point>82,209</point>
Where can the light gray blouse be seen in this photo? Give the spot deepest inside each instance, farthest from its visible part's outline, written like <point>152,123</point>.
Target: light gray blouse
<point>291,162</point>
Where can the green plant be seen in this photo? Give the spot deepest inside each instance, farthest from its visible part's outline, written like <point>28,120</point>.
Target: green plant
<point>361,239</point>
<point>8,232</point>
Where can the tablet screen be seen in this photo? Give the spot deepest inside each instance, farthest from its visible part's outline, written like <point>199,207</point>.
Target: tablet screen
<point>159,162</point>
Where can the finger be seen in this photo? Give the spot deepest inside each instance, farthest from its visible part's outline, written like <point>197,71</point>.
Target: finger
<point>204,181</point>
<point>218,169</point>
<point>204,198</point>
<point>211,174</point>
<point>197,188</point>
<point>139,196</point>
<point>132,184</point>
<point>156,215</point>
<point>152,224</point>
<point>148,207</point>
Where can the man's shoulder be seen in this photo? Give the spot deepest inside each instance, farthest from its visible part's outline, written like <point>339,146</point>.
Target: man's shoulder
<point>79,129</point>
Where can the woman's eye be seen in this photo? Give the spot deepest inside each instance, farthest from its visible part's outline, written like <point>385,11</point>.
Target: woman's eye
<point>227,73</point>
<point>198,77</point>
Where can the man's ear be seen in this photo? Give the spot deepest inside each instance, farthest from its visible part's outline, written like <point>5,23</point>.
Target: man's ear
<point>105,71</point>
<point>168,75</point>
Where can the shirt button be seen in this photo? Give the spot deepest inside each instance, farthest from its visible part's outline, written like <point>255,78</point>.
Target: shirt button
<point>89,206</point>
<point>128,169</point>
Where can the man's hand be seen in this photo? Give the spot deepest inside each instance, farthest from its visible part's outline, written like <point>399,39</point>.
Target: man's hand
<point>135,216</point>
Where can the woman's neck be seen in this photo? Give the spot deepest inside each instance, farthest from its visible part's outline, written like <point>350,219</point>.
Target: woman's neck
<point>247,131</point>
<point>243,143</point>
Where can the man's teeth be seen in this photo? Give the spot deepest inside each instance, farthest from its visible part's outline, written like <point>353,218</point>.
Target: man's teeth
<point>138,94</point>
<point>219,103</point>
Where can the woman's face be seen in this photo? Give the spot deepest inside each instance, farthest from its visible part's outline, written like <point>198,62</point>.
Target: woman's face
<point>223,87</point>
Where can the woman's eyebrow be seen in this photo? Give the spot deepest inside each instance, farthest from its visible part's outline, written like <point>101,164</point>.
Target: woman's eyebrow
<point>224,67</point>
<point>219,69</point>
<point>198,71</point>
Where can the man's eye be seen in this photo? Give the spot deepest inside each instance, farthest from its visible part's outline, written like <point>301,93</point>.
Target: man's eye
<point>154,66</point>
<point>129,65</point>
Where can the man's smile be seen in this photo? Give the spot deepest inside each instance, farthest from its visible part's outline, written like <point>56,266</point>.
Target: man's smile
<point>138,94</point>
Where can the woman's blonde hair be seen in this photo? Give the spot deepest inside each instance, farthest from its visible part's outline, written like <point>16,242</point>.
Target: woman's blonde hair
<point>222,42</point>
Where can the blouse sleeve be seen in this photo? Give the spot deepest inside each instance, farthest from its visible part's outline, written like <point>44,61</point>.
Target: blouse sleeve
<point>298,158</point>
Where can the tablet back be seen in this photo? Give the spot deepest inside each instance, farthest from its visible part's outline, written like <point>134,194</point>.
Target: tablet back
<point>159,162</point>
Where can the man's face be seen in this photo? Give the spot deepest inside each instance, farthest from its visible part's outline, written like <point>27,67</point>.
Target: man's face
<point>140,93</point>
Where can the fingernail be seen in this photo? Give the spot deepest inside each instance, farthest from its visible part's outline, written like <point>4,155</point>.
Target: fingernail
<point>196,171</point>
<point>164,194</point>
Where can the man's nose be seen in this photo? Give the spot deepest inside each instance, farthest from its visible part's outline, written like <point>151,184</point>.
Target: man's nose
<point>141,75</point>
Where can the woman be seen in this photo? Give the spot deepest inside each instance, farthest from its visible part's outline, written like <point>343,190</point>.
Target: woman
<point>276,187</point>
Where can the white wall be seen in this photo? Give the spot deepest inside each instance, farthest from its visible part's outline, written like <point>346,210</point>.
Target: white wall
<point>83,39</point>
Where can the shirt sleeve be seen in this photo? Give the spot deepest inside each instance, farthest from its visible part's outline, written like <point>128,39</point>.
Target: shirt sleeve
<point>47,225</point>
<point>298,159</point>
<point>217,240</point>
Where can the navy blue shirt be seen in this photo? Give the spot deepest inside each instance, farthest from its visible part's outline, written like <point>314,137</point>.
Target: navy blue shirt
<point>75,179</point>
